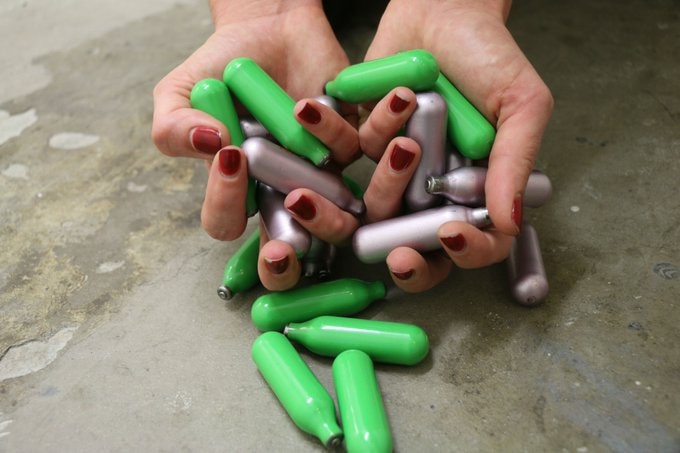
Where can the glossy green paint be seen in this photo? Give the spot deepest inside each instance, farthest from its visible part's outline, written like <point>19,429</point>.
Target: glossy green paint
<point>362,412</point>
<point>240,272</point>
<point>301,394</point>
<point>354,186</point>
<point>212,96</point>
<point>416,69</point>
<point>468,130</point>
<point>384,341</point>
<point>342,297</point>
<point>272,107</point>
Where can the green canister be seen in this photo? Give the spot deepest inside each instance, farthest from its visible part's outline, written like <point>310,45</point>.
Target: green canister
<point>387,342</point>
<point>272,107</point>
<point>362,412</point>
<point>240,272</point>
<point>212,96</point>
<point>416,69</point>
<point>301,394</point>
<point>468,130</point>
<point>342,297</point>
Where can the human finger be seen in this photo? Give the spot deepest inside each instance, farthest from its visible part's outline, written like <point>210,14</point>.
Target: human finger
<point>179,130</point>
<point>277,265</point>
<point>413,272</point>
<point>383,196</point>
<point>320,216</point>
<point>523,118</point>
<point>223,214</point>
<point>385,120</point>
<point>470,247</point>
<point>341,138</point>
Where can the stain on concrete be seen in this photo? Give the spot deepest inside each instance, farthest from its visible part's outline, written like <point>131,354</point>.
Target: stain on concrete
<point>12,126</point>
<point>73,217</point>
<point>31,356</point>
<point>72,140</point>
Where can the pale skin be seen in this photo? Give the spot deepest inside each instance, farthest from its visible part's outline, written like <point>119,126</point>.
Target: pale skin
<point>485,64</point>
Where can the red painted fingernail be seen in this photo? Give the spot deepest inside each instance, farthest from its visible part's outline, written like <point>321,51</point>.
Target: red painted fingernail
<point>303,208</point>
<point>516,212</point>
<point>205,140</point>
<point>455,243</point>
<point>230,161</point>
<point>403,275</point>
<point>309,114</point>
<point>277,266</point>
<point>400,158</point>
<point>398,104</point>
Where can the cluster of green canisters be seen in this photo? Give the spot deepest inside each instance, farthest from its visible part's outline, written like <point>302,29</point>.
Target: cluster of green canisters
<point>318,316</point>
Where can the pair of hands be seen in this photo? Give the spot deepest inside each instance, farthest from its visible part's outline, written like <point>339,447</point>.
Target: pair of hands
<point>295,44</point>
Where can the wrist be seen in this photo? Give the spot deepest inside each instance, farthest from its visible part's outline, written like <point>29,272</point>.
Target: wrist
<point>230,11</point>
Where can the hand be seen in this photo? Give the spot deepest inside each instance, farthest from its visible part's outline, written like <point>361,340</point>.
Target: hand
<point>278,266</point>
<point>477,53</point>
<point>291,40</point>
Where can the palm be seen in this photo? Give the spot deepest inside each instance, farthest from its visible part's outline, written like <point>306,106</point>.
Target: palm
<point>297,50</point>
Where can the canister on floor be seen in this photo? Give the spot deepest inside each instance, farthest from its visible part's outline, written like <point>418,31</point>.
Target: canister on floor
<point>240,272</point>
<point>384,341</point>
<point>308,403</point>
<point>342,297</point>
<point>528,279</point>
<point>362,411</point>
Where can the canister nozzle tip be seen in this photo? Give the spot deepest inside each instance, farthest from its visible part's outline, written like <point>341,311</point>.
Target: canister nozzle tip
<point>225,293</point>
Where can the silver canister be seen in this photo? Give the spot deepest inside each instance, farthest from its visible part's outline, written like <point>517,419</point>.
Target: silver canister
<point>427,126</point>
<point>318,261</point>
<point>528,279</point>
<point>284,171</point>
<point>372,243</point>
<point>253,128</point>
<point>278,223</point>
<point>465,185</point>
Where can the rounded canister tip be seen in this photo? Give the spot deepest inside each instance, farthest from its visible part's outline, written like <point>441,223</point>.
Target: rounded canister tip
<point>357,207</point>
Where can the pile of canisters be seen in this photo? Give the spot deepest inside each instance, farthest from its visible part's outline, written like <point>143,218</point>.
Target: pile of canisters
<point>283,156</point>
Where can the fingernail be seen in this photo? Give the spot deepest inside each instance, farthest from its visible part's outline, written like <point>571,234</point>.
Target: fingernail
<point>516,212</point>
<point>309,114</point>
<point>403,275</point>
<point>277,266</point>
<point>205,140</point>
<point>303,208</point>
<point>455,243</point>
<point>230,161</point>
<point>400,158</point>
<point>398,104</point>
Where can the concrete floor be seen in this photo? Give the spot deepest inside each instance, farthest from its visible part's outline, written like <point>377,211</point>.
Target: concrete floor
<point>113,339</point>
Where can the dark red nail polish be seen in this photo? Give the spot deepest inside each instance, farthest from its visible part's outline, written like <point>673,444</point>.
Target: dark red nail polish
<point>455,243</point>
<point>403,275</point>
<point>309,114</point>
<point>277,266</point>
<point>400,158</point>
<point>303,208</point>
<point>516,212</point>
<point>230,161</point>
<point>398,104</point>
<point>206,140</point>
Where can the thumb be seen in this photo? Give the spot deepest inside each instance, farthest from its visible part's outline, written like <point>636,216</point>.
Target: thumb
<point>524,113</point>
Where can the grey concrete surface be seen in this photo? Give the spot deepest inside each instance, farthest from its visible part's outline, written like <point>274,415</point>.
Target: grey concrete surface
<point>113,339</point>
